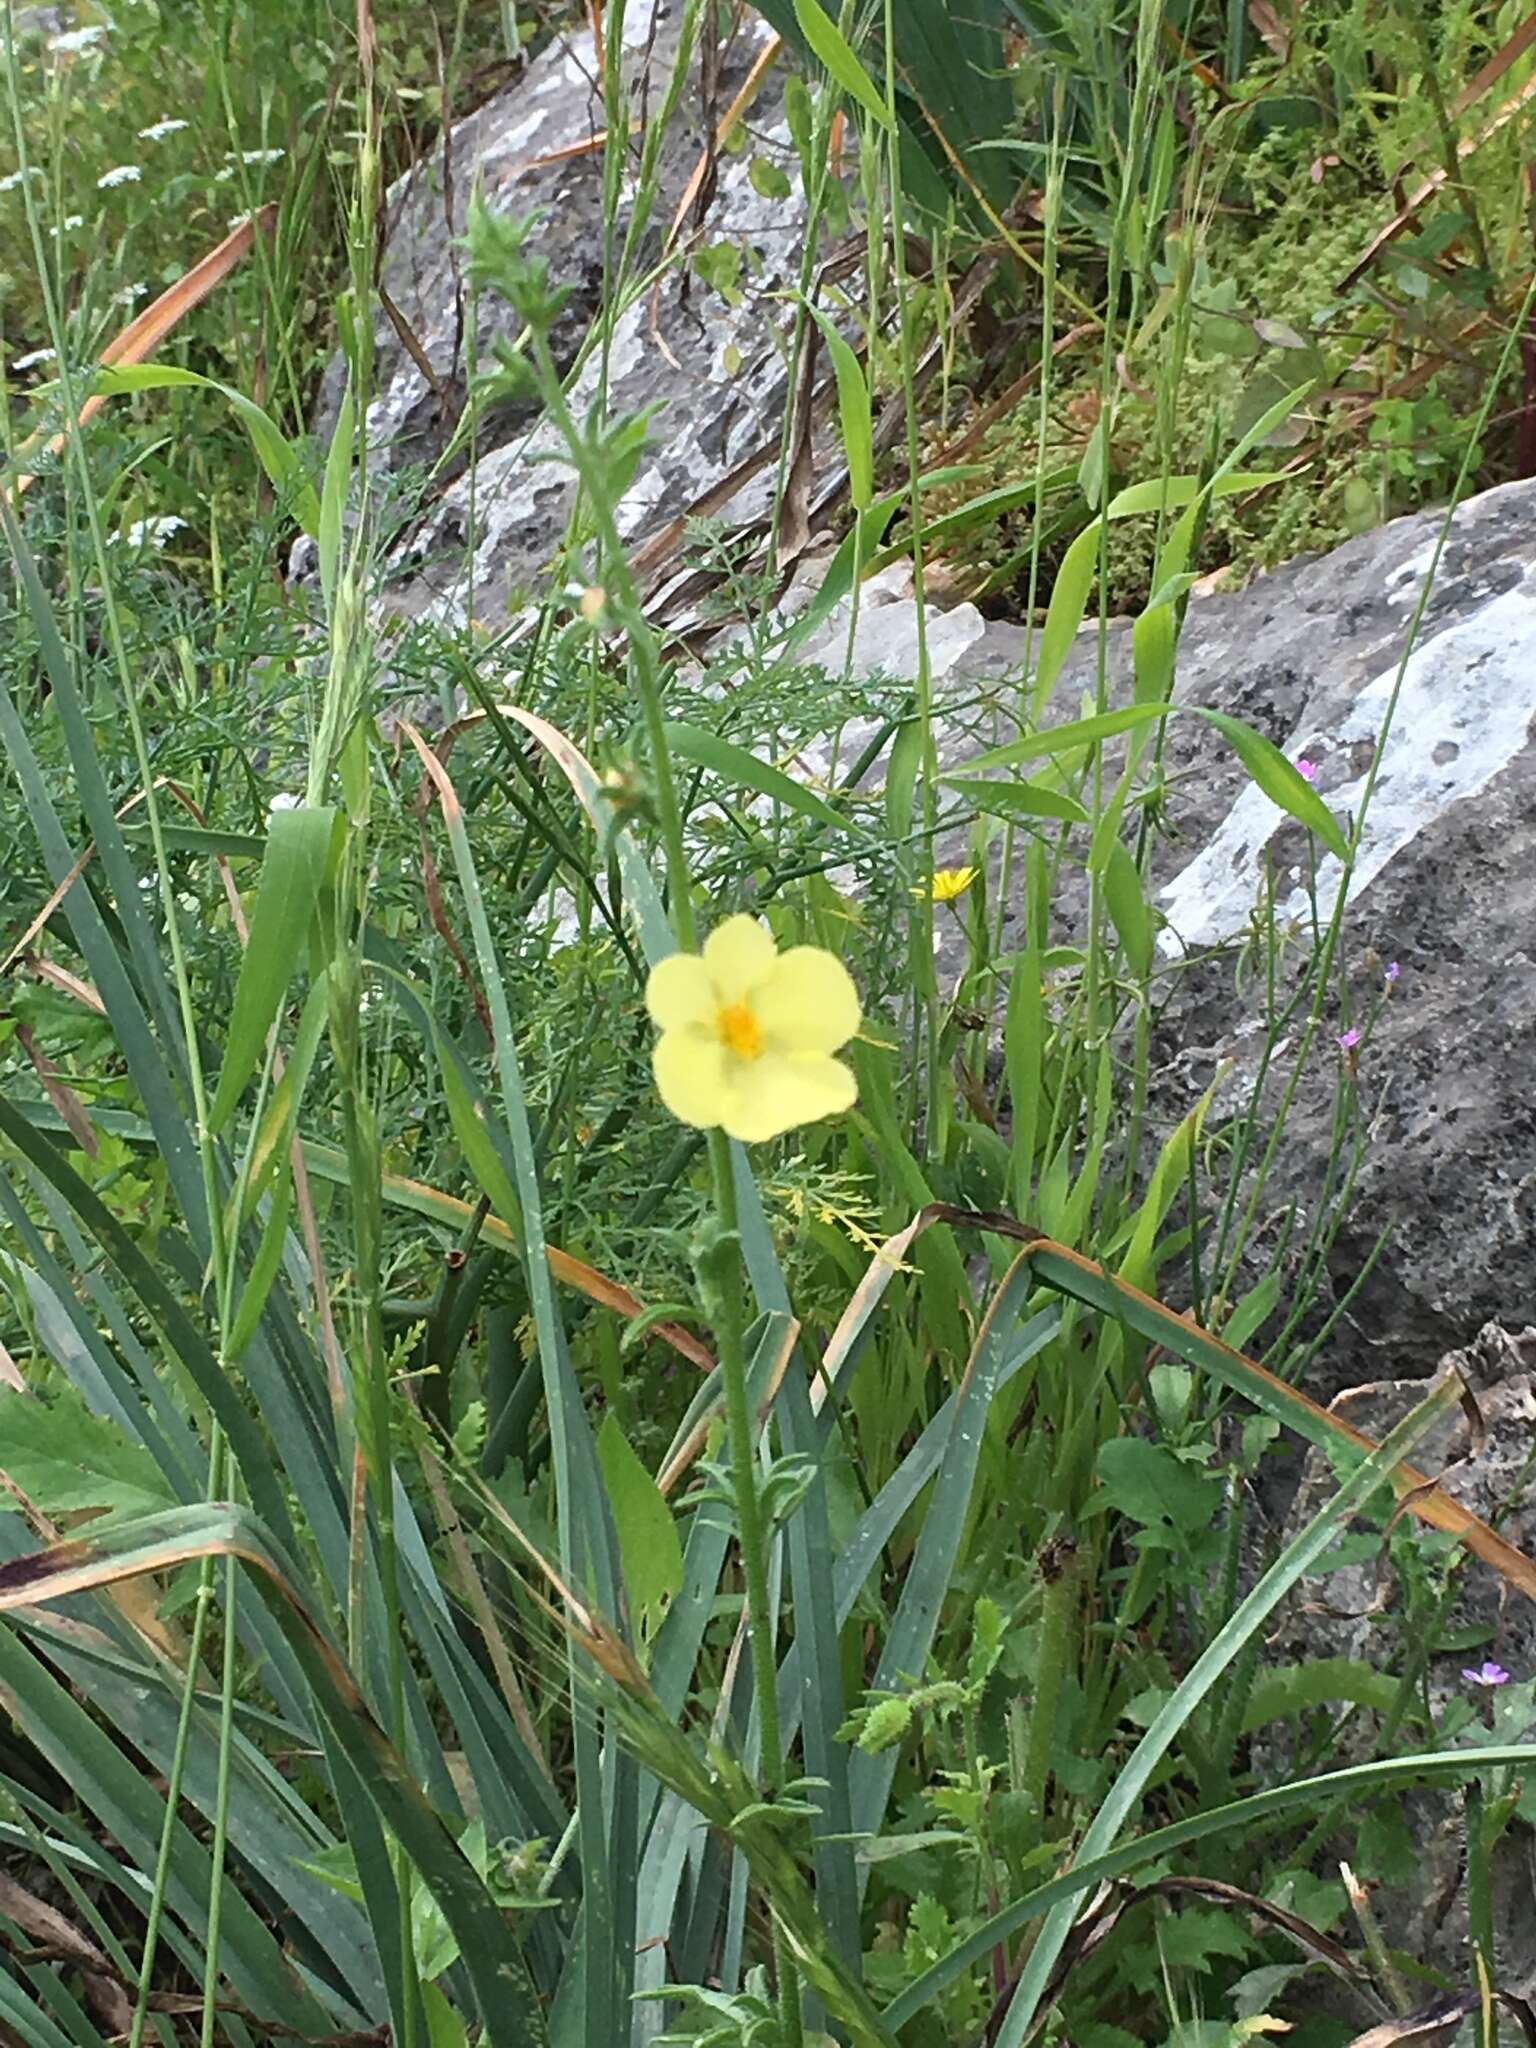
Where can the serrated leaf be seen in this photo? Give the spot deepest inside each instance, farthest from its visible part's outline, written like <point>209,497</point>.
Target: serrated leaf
<point>68,1460</point>
<point>1148,1483</point>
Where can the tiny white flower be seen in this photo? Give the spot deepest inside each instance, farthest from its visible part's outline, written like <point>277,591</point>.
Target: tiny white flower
<point>130,294</point>
<point>120,174</point>
<point>156,531</point>
<point>74,40</point>
<point>259,156</point>
<point>13,178</point>
<point>157,131</point>
<point>285,800</point>
<point>238,221</point>
<point>38,355</point>
<point>67,226</point>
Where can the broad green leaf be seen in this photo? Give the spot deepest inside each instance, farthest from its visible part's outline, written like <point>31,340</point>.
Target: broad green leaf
<point>1153,641</point>
<point>901,777</point>
<point>1279,779</point>
<point>1168,494</point>
<point>1128,907</point>
<point>735,765</point>
<point>1153,1486</point>
<point>831,51</point>
<point>283,463</point>
<point>1174,559</point>
<point>1169,1178</point>
<point>852,411</point>
<point>270,1141</point>
<point>649,1546</point>
<point>67,1460</point>
<point>1017,802</point>
<point>298,848</point>
<point>1065,612</point>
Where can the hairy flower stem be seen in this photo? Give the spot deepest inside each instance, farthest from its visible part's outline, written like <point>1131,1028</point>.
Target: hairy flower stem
<point>719,1266</point>
<point>1058,1603</point>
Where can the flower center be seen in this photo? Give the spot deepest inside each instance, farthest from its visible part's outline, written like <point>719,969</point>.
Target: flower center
<point>738,1030</point>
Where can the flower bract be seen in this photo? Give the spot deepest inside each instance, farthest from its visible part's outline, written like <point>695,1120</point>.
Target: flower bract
<point>748,1033</point>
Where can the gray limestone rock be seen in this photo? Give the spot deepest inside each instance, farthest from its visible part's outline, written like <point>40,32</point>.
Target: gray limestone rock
<point>1358,1612</point>
<point>712,364</point>
<point>1445,887</point>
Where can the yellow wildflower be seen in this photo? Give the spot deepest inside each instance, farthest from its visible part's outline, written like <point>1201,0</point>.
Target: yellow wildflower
<point>948,883</point>
<point>748,1033</point>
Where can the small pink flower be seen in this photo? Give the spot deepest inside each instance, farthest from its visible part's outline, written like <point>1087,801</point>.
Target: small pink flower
<point>1349,1039</point>
<point>1488,1674</point>
<point>1306,769</point>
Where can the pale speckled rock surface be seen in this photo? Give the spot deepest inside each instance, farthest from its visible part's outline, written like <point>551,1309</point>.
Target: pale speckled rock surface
<point>485,538</point>
<point>1446,887</point>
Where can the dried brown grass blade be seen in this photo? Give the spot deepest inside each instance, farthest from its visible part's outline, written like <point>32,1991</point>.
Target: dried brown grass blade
<point>143,335</point>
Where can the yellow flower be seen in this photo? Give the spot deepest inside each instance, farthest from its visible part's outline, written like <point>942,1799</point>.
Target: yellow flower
<point>748,1033</point>
<point>948,883</point>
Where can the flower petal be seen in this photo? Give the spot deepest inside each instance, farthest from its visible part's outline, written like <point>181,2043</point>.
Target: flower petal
<point>689,1066</point>
<point>678,992</point>
<point>809,1004</point>
<point>739,954</point>
<point>783,1090</point>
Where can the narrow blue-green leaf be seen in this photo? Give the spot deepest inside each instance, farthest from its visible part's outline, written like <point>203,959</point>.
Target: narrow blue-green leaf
<point>735,765</point>
<point>298,848</point>
<point>904,1658</point>
<point>831,50</point>
<point>509,2009</point>
<point>1278,778</point>
<point>129,1807</point>
<point>606,1784</point>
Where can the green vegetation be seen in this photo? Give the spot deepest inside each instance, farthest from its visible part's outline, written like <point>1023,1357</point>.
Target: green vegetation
<point>486,1560</point>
